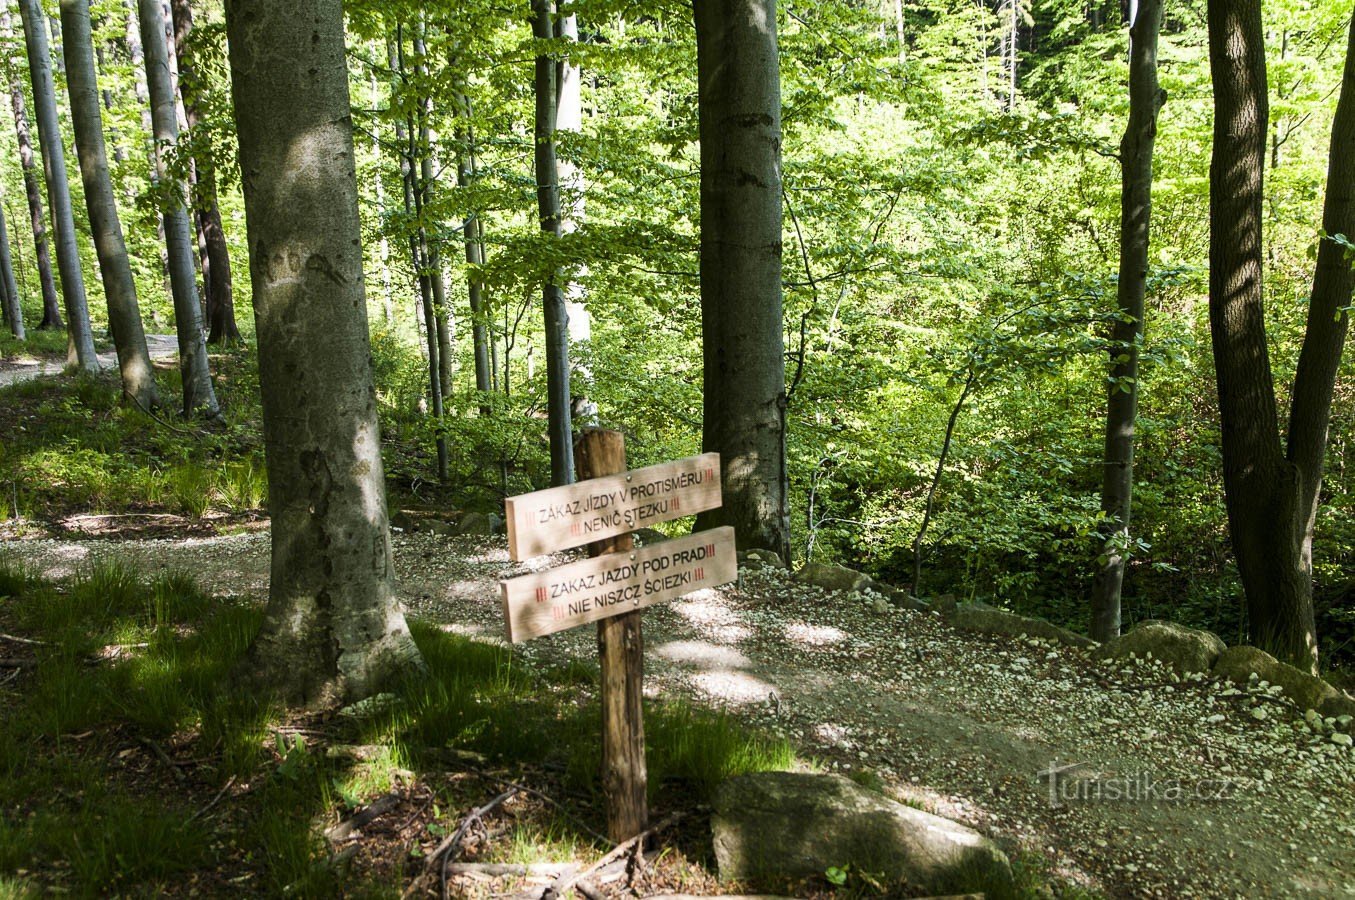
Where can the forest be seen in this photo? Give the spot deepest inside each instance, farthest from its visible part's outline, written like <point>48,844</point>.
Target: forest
<point>1017,328</point>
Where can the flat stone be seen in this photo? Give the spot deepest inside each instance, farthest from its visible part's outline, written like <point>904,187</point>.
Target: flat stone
<point>1184,649</point>
<point>1242,662</point>
<point>988,620</point>
<point>475,523</point>
<point>833,578</point>
<point>794,824</point>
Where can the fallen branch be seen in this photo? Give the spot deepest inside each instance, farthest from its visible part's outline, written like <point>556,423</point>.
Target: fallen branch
<point>454,842</point>
<point>15,639</point>
<point>374,810</point>
<point>510,870</point>
<point>163,757</point>
<point>560,885</point>
<point>215,800</point>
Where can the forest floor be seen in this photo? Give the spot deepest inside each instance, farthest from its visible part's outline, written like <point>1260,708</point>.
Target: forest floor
<point>1187,790</point>
<point>24,367</point>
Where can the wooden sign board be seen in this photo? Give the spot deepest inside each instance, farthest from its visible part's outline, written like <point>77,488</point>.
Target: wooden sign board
<point>599,508</point>
<point>546,602</point>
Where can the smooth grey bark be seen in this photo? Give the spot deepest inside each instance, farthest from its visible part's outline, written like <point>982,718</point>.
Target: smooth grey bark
<point>199,397</point>
<point>558,412</point>
<point>573,188</point>
<point>51,306</point>
<point>1136,189</point>
<point>124,313</point>
<point>1262,486</point>
<point>58,187</point>
<point>739,101</point>
<point>418,254</point>
<point>333,630</point>
<point>475,254</point>
<point>9,285</point>
<point>432,251</point>
<point>218,284</point>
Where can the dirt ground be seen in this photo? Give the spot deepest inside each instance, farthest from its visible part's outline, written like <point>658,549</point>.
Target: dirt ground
<point>1180,789</point>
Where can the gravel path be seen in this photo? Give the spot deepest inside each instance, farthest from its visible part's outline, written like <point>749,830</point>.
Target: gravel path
<point>12,371</point>
<point>1220,803</point>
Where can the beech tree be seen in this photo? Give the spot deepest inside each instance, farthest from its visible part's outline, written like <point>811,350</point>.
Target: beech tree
<point>546,87</point>
<point>51,307</point>
<point>739,99</point>
<point>9,287</point>
<point>199,397</point>
<point>1271,487</point>
<point>333,630</point>
<point>58,188</point>
<point>216,261</point>
<point>1136,189</point>
<point>124,313</point>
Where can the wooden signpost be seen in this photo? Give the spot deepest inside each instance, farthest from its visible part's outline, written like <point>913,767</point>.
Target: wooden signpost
<point>615,583</point>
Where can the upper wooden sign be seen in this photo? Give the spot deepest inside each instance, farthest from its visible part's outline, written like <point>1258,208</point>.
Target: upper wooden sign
<point>599,508</point>
<point>545,602</point>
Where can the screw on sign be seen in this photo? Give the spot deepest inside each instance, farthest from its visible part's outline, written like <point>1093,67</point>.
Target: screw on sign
<point>615,583</point>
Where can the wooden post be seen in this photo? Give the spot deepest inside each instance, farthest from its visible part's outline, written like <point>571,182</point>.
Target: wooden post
<point>621,653</point>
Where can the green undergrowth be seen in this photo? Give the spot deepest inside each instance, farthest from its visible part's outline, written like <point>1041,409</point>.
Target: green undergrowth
<point>40,344</point>
<point>72,445</point>
<point>131,670</point>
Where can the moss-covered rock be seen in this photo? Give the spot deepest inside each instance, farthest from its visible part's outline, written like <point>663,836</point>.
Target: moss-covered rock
<point>778,825</point>
<point>1184,649</point>
<point>1241,662</point>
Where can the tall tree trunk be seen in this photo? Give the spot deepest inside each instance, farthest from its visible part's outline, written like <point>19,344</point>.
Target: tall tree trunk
<point>432,250</point>
<point>216,269</point>
<point>1328,318</point>
<point>198,394</point>
<point>58,188</point>
<point>475,255</point>
<point>333,630</point>
<point>1261,486</point>
<point>51,306</point>
<point>558,413</point>
<point>1136,189</point>
<point>573,187</point>
<point>418,255</point>
<point>143,98</point>
<point>124,313</point>
<point>9,285</point>
<point>739,99</point>
<point>379,183</point>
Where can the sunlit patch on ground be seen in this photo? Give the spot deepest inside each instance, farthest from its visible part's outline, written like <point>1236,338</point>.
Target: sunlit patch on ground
<point>814,635</point>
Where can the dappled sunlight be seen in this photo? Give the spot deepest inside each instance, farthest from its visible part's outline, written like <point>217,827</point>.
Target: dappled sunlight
<point>709,609</point>
<point>733,688</point>
<point>702,655</point>
<point>807,635</point>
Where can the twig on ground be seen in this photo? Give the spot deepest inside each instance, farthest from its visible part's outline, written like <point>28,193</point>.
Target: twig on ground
<point>374,810</point>
<point>546,798</point>
<point>510,870</point>
<point>446,851</point>
<point>10,677</point>
<point>560,885</point>
<point>215,800</point>
<point>163,757</point>
<point>15,639</point>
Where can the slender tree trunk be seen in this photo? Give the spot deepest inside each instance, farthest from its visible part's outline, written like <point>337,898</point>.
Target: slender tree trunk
<point>124,313</point>
<point>1261,486</point>
<point>941,458</point>
<point>739,99</point>
<point>198,393</point>
<point>573,189</point>
<point>51,306</point>
<point>475,255</point>
<point>143,98</point>
<point>9,285</point>
<point>432,251</point>
<point>333,630</point>
<point>217,279</point>
<point>388,290</point>
<point>559,415</point>
<point>58,188</point>
<point>418,254</point>
<point>1136,187</point>
<point>1328,318</point>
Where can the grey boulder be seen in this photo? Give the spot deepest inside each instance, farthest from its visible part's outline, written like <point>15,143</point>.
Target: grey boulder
<point>1184,649</point>
<point>987,620</point>
<point>833,578</point>
<point>792,824</point>
<point>1307,691</point>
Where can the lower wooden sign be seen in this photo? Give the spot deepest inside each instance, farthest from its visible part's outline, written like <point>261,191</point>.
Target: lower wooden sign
<point>546,602</point>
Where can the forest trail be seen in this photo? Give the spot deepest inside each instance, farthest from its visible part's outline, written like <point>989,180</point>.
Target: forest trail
<point>13,371</point>
<point>1221,804</point>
